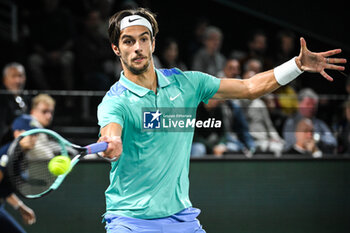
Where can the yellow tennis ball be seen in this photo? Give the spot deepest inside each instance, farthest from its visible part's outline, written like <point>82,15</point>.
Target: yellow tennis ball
<point>59,165</point>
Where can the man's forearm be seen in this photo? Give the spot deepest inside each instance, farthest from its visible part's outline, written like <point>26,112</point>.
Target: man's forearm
<point>112,129</point>
<point>259,84</point>
<point>252,88</point>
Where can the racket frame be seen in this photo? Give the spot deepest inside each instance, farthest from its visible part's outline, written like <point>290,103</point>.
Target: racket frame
<point>94,148</point>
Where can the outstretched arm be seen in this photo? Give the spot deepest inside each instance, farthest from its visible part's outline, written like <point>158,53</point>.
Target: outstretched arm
<point>266,82</point>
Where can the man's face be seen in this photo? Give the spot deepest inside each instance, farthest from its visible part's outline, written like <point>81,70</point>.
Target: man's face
<point>135,49</point>
<point>14,79</point>
<point>43,112</point>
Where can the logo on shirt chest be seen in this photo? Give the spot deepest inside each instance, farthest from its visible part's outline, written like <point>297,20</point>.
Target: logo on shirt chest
<point>152,119</point>
<point>174,120</point>
<point>173,98</point>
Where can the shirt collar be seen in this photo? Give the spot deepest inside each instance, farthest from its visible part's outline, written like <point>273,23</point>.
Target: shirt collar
<point>140,90</point>
<point>162,80</point>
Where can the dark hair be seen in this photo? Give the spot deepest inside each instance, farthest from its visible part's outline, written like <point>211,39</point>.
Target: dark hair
<point>114,22</point>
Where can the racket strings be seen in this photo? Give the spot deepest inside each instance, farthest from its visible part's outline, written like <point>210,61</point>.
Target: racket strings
<point>30,163</point>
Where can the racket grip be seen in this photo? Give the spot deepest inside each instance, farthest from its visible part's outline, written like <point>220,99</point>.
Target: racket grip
<point>96,147</point>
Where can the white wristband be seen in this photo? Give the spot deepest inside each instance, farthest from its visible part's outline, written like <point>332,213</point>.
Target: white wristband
<point>287,72</point>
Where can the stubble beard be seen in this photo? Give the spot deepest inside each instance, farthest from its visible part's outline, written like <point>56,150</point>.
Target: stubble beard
<point>134,70</point>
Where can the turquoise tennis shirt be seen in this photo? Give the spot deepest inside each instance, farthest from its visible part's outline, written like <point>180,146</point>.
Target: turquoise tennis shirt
<point>150,179</point>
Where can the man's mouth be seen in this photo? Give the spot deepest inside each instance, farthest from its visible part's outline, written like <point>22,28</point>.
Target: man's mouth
<point>138,59</point>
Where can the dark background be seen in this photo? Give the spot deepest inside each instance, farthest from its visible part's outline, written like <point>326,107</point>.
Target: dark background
<point>324,24</point>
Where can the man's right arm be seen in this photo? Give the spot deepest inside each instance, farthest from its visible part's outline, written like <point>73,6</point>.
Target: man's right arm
<point>111,133</point>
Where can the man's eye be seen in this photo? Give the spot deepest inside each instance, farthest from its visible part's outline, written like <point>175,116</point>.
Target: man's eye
<point>127,42</point>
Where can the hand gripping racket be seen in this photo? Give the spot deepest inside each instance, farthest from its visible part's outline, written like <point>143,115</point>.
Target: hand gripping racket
<point>30,154</point>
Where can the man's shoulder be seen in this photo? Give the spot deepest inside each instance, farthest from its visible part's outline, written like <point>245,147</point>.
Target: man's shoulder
<point>175,74</point>
<point>171,72</point>
<point>116,90</point>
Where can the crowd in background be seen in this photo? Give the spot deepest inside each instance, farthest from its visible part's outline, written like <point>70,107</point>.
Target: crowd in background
<point>65,46</point>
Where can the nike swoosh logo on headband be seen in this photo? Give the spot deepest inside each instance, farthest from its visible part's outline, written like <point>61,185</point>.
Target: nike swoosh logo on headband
<point>132,20</point>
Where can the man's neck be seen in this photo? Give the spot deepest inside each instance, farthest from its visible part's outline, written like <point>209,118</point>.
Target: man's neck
<point>147,79</point>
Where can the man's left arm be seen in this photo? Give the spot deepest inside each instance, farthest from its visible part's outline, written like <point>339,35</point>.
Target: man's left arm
<point>266,82</point>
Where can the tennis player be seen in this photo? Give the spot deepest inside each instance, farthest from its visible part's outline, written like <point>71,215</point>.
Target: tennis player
<point>149,185</point>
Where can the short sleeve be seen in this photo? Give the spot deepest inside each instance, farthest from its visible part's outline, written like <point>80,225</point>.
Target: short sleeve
<point>206,85</point>
<point>110,111</point>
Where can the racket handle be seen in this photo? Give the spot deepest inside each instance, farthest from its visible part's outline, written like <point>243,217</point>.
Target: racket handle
<point>96,147</point>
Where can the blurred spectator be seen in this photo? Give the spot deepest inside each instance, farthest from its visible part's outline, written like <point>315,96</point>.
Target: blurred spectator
<point>239,139</point>
<point>12,104</point>
<point>305,143</point>
<point>94,58</point>
<point>254,65</point>
<point>261,127</point>
<point>232,69</point>
<point>343,131</point>
<point>8,224</point>
<point>209,59</point>
<point>51,63</point>
<point>285,47</point>
<point>209,141</point>
<point>287,99</point>
<point>308,101</point>
<point>197,39</point>
<point>276,114</point>
<point>170,55</point>
<point>232,136</point>
<point>257,48</point>
<point>42,110</point>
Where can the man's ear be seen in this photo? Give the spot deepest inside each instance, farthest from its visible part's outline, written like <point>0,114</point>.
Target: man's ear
<point>115,50</point>
<point>153,44</point>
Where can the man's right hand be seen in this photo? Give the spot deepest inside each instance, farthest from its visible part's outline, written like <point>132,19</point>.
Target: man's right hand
<point>115,146</point>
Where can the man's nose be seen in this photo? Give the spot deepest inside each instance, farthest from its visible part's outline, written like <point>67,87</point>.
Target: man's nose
<point>137,47</point>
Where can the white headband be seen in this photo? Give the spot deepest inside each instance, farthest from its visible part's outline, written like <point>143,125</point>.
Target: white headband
<point>133,20</point>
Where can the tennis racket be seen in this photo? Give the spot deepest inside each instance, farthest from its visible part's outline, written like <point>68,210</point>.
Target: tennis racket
<point>30,154</point>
